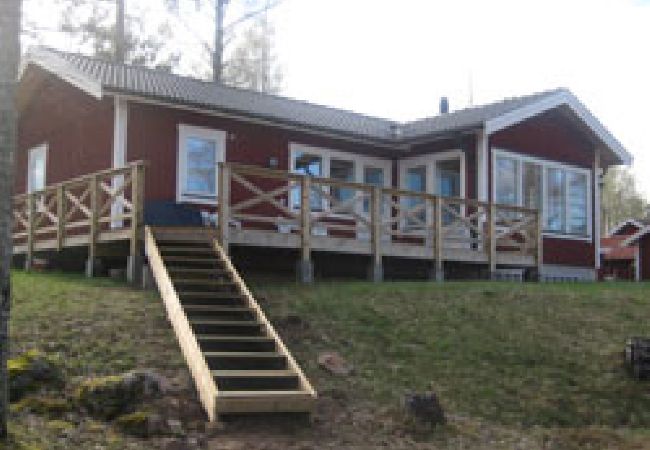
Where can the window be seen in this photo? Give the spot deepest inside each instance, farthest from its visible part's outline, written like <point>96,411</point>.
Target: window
<point>374,176</point>
<point>561,192</point>
<point>342,170</point>
<point>531,185</point>
<point>36,168</point>
<point>577,221</point>
<point>200,150</point>
<point>312,165</point>
<point>416,180</point>
<point>555,193</point>
<point>507,177</point>
<point>320,162</point>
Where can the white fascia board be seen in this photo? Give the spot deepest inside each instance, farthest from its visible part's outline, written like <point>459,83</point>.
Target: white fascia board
<point>62,69</point>
<point>622,224</point>
<point>561,98</point>
<point>635,237</point>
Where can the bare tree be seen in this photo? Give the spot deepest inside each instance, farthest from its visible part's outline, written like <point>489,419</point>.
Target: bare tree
<point>9,60</point>
<point>621,199</point>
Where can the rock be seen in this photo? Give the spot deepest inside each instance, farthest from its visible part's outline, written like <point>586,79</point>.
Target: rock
<point>425,408</point>
<point>334,363</point>
<point>175,427</point>
<point>32,370</point>
<point>51,407</point>
<point>135,424</point>
<point>111,396</point>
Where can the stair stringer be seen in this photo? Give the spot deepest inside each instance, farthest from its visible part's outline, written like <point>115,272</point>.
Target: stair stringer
<point>205,384</point>
<point>261,317</point>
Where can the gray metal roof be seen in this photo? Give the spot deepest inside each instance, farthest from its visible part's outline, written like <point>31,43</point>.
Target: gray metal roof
<point>98,76</point>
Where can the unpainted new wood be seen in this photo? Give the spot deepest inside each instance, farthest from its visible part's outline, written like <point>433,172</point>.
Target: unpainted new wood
<point>205,384</point>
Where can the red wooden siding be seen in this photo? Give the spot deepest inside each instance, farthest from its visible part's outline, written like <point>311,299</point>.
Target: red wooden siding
<point>77,128</point>
<point>153,136</point>
<point>552,137</point>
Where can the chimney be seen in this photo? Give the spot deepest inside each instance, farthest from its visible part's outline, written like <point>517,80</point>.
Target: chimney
<point>444,105</point>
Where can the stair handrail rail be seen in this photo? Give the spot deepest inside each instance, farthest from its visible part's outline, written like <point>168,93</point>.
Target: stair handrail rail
<point>245,291</point>
<point>194,357</point>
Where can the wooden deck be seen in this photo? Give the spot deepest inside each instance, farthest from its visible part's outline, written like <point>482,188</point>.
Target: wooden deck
<point>267,208</point>
<point>95,209</point>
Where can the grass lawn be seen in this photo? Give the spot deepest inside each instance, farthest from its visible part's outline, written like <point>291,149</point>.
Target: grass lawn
<point>540,362</point>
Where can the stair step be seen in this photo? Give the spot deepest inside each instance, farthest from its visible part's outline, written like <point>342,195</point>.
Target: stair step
<point>200,312</point>
<point>256,380</point>
<point>258,394</point>
<point>198,270</point>
<point>192,259</point>
<point>227,327</point>
<point>231,300</point>
<point>246,360</point>
<point>203,282</point>
<point>186,249</point>
<point>212,343</point>
<point>208,294</point>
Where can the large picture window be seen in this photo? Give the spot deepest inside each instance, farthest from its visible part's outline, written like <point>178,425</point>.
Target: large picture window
<point>561,192</point>
<point>200,150</point>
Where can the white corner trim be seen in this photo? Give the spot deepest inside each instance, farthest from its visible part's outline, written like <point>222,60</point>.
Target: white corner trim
<point>62,69</point>
<point>563,97</point>
<point>482,172</point>
<point>637,264</point>
<point>120,125</point>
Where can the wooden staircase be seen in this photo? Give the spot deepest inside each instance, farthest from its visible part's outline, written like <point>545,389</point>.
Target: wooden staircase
<point>237,360</point>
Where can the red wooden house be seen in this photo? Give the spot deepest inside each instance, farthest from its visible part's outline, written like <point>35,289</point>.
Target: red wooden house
<point>467,188</point>
<point>620,256</point>
<point>641,241</point>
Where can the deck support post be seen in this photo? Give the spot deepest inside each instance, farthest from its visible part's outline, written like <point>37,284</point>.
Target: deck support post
<point>60,217</point>
<point>438,240</point>
<point>492,242</point>
<point>224,206</point>
<point>94,223</point>
<point>135,260</point>
<point>376,272</point>
<point>31,211</point>
<point>305,265</point>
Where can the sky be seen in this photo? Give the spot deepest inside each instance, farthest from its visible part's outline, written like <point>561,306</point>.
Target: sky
<point>395,59</point>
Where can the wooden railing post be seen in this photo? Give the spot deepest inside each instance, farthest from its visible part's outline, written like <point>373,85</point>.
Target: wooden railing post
<point>135,263</point>
<point>31,220</point>
<point>376,268</point>
<point>492,241</point>
<point>305,265</point>
<point>93,223</point>
<point>224,205</point>
<point>540,245</point>
<point>438,239</point>
<point>60,216</point>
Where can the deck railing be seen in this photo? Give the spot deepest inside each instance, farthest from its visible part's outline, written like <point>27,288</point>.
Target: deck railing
<point>83,211</point>
<point>253,197</point>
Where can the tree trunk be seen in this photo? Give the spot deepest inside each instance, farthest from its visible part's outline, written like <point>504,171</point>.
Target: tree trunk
<point>9,60</point>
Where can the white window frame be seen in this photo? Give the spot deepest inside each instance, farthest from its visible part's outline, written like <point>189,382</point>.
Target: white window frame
<point>545,165</point>
<point>432,186</point>
<point>326,155</point>
<point>30,156</point>
<point>187,131</point>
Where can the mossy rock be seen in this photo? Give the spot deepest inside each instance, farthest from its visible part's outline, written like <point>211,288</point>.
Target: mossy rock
<point>137,423</point>
<point>46,406</point>
<point>32,371</point>
<point>112,396</point>
<point>61,426</point>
